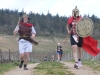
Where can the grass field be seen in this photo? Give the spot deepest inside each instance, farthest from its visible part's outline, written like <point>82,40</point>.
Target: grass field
<point>93,64</point>
<point>7,66</point>
<point>45,43</point>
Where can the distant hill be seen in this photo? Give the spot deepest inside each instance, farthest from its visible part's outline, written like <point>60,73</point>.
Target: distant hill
<point>46,44</point>
<point>45,25</point>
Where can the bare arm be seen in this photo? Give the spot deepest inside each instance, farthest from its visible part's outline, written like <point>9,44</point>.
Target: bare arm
<point>33,36</point>
<point>68,29</point>
<point>33,33</point>
<point>16,30</point>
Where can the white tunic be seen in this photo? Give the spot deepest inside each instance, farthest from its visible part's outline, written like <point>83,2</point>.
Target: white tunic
<point>24,45</point>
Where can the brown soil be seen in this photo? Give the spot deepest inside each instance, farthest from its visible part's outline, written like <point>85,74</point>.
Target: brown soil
<point>18,71</point>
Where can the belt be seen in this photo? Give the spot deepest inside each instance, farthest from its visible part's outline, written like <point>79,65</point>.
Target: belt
<point>24,36</point>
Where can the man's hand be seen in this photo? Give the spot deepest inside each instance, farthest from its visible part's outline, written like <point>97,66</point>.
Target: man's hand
<point>69,32</point>
<point>35,42</point>
<point>33,36</point>
<point>15,32</point>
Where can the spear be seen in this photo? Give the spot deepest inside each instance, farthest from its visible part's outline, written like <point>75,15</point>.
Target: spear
<point>19,18</point>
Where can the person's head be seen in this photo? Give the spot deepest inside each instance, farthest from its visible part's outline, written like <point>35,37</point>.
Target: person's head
<point>25,18</point>
<point>58,44</point>
<point>75,12</point>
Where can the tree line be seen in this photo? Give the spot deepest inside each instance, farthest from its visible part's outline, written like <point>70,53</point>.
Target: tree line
<point>45,25</point>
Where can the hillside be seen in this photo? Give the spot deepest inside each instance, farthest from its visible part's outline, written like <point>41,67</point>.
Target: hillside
<point>45,43</point>
<point>8,42</point>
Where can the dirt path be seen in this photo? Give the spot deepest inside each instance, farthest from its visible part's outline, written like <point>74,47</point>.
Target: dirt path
<point>18,71</point>
<point>84,70</point>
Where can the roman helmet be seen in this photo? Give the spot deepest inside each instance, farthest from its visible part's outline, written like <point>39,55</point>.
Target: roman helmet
<point>25,16</point>
<point>75,12</point>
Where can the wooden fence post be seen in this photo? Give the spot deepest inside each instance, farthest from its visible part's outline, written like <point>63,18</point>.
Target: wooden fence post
<point>9,55</point>
<point>1,55</point>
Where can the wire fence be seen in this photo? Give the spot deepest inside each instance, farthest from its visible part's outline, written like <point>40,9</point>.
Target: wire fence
<point>8,56</point>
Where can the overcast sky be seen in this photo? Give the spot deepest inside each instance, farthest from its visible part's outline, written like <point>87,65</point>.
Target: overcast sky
<point>62,7</point>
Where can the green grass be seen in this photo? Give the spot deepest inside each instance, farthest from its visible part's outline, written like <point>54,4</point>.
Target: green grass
<point>7,66</point>
<point>51,68</point>
<point>93,64</point>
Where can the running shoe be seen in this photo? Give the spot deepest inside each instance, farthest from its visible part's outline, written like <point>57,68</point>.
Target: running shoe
<point>25,68</point>
<point>76,66</point>
<point>79,63</point>
<point>20,66</point>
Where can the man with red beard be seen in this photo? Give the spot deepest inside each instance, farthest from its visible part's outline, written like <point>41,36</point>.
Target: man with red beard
<point>26,35</point>
<point>76,41</point>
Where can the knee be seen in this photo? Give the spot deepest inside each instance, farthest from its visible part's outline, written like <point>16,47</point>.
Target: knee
<point>75,49</point>
<point>22,55</point>
<point>26,54</point>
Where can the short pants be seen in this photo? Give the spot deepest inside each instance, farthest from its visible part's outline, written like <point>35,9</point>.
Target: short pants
<point>25,46</point>
<point>59,52</point>
<point>73,42</point>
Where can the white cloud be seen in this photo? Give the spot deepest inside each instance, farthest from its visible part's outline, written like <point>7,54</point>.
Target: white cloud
<point>62,7</point>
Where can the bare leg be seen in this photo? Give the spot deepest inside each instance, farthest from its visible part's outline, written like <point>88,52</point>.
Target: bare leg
<point>79,52</point>
<point>26,57</point>
<point>22,56</point>
<point>79,56</point>
<point>26,60</point>
<point>21,60</point>
<point>74,47</point>
<point>75,56</point>
<point>58,56</point>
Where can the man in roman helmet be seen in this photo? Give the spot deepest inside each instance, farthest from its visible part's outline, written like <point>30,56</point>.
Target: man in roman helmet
<point>26,35</point>
<point>76,41</point>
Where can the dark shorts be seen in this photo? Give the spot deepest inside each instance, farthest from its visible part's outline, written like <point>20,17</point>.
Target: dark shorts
<point>59,52</point>
<point>73,42</point>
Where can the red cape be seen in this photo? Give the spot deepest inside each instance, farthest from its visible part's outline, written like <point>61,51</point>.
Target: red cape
<point>26,24</point>
<point>70,20</point>
<point>90,45</point>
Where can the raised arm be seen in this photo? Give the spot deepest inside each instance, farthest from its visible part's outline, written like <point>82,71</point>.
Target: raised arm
<point>16,30</point>
<point>17,27</point>
<point>68,29</point>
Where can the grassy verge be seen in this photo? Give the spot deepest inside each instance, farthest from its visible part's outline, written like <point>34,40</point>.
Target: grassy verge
<point>93,64</point>
<point>51,68</point>
<point>6,67</point>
